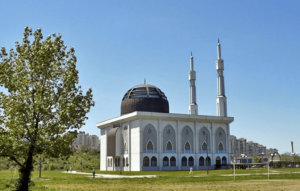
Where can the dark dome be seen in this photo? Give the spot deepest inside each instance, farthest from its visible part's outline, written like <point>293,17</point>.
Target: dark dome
<point>144,97</point>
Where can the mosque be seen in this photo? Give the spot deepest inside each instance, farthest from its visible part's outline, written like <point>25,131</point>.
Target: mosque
<point>147,137</point>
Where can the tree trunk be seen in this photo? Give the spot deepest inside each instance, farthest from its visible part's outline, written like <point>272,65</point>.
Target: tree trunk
<point>25,172</point>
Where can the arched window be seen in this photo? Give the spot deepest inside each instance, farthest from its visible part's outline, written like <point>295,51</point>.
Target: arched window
<point>204,146</point>
<point>169,145</point>
<point>173,161</point>
<point>201,161</point>
<point>146,161</point>
<point>153,161</point>
<point>187,146</point>
<point>124,146</point>
<point>183,161</point>
<point>127,164</point>
<point>123,161</point>
<point>165,161</point>
<point>220,147</point>
<point>207,161</point>
<point>191,161</point>
<point>224,161</point>
<point>150,146</point>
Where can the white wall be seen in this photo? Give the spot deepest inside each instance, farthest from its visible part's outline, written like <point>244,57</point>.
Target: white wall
<point>103,153</point>
<point>135,145</point>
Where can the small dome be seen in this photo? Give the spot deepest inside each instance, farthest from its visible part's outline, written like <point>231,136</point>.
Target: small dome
<point>144,97</point>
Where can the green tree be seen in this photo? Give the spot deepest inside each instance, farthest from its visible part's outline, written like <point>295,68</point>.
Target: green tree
<point>42,106</point>
<point>256,159</point>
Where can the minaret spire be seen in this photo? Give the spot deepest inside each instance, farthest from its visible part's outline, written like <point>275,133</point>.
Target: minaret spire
<point>221,99</point>
<point>193,107</point>
<point>219,50</point>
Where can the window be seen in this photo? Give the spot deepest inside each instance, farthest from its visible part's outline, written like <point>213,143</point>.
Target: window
<point>123,161</point>
<point>204,146</point>
<point>220,147</point>
<point>153,161</point>
<point>166,161</point>
<point>208,161</point>
<point>201,161</point>
<point>187,146</point>
<point>191,161</point>
<point>124,147</point>
<point>146,161</point>
<point>169,145</point>
<point>183,161</point>
<point>173,161</point>
<point>224,161</point>
<point>150,146</point>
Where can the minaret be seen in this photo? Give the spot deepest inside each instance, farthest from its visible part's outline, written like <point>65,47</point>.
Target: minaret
<point>221,99</point>
<point>193,107</point>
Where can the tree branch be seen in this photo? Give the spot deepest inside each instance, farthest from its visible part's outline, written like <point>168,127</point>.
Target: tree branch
<point>14,159</point>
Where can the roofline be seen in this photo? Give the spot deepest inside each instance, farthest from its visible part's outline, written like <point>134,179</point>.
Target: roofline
<point>164,116</point>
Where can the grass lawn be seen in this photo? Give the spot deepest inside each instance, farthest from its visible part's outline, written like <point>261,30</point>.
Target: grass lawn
<point>281,179</point>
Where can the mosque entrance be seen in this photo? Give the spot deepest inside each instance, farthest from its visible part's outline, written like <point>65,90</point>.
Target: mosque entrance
<point>218,162</point>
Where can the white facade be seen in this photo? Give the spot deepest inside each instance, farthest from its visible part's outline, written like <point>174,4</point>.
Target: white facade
<point>142,140</point>
<point>186,133</point>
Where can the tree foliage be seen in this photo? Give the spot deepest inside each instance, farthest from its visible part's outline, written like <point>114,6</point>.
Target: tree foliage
<point>43,106</point>
<point>256,159</point>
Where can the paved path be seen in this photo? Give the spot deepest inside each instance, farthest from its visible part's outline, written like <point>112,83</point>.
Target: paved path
<point>111,175</point>
<point>154,176</point>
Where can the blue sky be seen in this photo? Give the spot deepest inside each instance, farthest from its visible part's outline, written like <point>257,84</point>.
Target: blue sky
<point>119,43</point>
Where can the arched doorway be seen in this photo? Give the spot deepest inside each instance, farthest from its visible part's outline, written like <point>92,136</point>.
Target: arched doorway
<point>224,161</point>
<point>208,163</point>
<point>218,162</point>
<point>184,161</point>
<point>173,161</point>
<point>191,161</point>
<point>153,161</point>
<point>146,161</point>
<point>201,161</point>
<point>165,161</point>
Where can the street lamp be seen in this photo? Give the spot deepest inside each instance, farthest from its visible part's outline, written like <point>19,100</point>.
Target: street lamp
<point>206,153</point>
<point>272,155</point>
<point>244,156</point>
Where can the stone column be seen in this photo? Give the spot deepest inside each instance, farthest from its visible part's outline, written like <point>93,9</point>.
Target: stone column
<point>129,146</point>
<point>228,145</point>
<point>195,147</point>
<point>159,149</point>
<point>178,146</point>
<point>212,142</point>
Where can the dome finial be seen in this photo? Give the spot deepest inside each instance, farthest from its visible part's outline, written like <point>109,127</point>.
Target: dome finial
<point>218,40</point>
<point>144,80</point>
<point>191,53</point>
